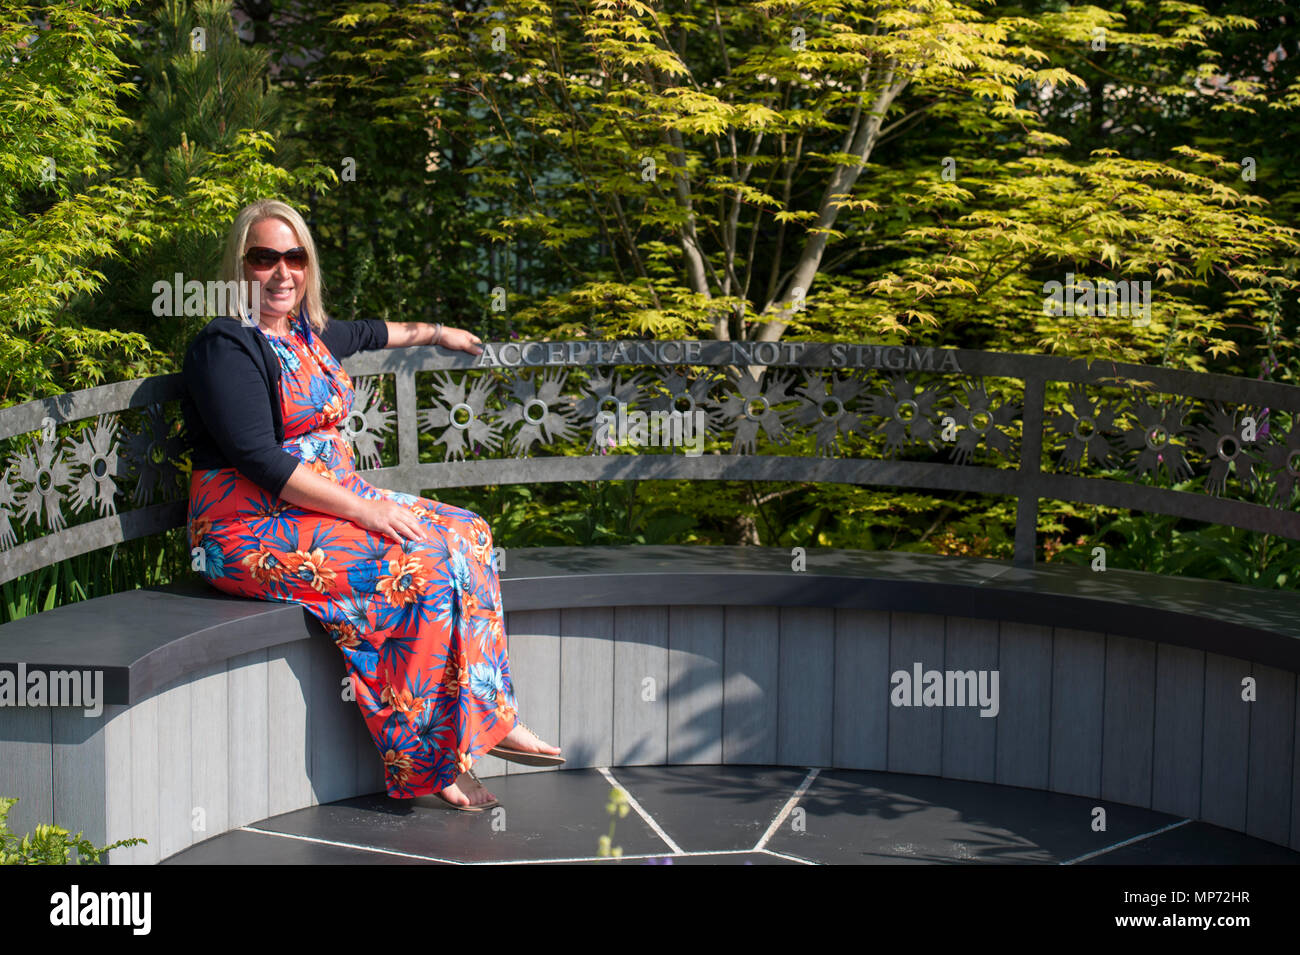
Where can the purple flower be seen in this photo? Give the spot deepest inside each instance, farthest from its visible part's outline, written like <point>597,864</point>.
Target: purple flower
<point>664,860</point>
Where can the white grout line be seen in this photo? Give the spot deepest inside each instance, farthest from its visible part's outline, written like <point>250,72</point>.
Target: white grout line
<point>346,845</point>
<point>668,840</point>
<point>412,855</point>
<point>786,809</point>
<point>677,850</point>
<point>786,855</point>
<point>1126,842</point>
<point>644,855</point>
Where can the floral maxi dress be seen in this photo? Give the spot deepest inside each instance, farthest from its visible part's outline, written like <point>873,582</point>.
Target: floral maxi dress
<point>419,623</point>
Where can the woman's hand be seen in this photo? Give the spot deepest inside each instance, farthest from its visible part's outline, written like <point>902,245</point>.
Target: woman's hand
<point>390,519</point>
<point>458,339</point>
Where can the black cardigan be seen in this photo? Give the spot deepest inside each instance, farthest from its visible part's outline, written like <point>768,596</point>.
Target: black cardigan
<point>232,401</point>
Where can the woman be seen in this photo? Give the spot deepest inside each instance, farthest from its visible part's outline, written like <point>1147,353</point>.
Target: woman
<point>406,586</point>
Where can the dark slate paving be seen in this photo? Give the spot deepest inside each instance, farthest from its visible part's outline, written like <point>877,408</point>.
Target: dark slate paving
<point>541,816</point>
<point>709,808</point>
<point>722,812</point>
<point>869,817</point>
<point>251,848</point>
<point>1199,843</point>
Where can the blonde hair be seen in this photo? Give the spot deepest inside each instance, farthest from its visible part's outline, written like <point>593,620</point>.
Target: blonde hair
<point>232,262</point>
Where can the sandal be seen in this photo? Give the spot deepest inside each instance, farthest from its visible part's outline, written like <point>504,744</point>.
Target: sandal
<point>526,758</point>
<point>478,808</point>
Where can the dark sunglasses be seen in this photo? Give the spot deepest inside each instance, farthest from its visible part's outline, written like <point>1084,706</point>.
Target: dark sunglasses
<point>260,257</point>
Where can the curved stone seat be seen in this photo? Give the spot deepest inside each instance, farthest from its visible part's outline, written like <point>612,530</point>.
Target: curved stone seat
<point>1122,686</point>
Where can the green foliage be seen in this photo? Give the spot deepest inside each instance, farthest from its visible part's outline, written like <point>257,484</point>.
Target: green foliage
<point>617,807</point>
<point>761,123</point>
<point>398,236</point>
<point>780,165</point>
<point>49,845</point>
<point>1106,218</point>
<point>74,220</point>
<point>152,561</point>
<point>203,85</point>
<point>60,211</point>
<point>794,147</point>
<point>204,136</point>
<point>582,514</point>
<point>1160,544</point>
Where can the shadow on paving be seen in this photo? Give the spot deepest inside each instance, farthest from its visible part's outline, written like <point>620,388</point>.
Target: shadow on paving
<point>724,813</point>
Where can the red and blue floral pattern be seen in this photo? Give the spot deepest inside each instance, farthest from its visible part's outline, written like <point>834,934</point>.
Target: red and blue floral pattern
<point>419,624</point>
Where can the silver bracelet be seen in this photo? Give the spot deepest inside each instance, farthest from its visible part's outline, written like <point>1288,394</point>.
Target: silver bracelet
<point>437,333</point>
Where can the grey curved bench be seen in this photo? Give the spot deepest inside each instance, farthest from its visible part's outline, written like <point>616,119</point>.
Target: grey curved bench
<point>220,711</point>
<point>1171,694</point>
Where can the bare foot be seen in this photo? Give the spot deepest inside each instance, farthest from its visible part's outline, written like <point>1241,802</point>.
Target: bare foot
<point>466,791</point>
<point>519,738</point>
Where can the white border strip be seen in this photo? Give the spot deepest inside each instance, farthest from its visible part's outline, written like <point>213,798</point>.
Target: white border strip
<point>644,855</point>
<point>786,855</point>
<point>1126,842</point>
<point>668,841</point>
<point>423,858</point>
<point>345,845</point>
<point>786,809</point>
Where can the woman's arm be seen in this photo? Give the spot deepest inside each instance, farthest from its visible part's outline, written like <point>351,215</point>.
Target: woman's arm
<point>308,489</point>
<point>404,334</point>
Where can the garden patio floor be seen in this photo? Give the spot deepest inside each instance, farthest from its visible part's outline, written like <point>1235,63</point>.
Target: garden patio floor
<point>735,815</point>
